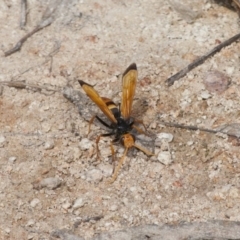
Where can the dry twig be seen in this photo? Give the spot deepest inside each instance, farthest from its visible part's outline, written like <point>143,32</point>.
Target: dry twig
<point>23,17</point>
<point>47,19</point>
<point>195,128</point>
<point>170,81</point>
<point>23,85</point>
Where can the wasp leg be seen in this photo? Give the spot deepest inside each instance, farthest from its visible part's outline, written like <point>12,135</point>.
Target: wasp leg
<point>140,122</point>
<point>139,130</point>
<point>98,139</point>
<point>148,153</point>
<point>90,123</point>
<point>113,152</point>
<point>100,120</point>
<point>116,170</point>
<point>103,123</point>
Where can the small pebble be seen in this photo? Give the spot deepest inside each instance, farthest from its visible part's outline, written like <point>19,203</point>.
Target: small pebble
<point>50,183</point>
<point>234,192</point>
<point>190,143</point>
<point>107,224</point>
<point>185,11</point>
<point>45,107</point>
<point>12,159</point>
<point>94,175</point>
<point>216,81</point>
<point>34,202</point>
<point>133,189</point>
<point>46,127</point>
<point>30,236</point>
<point>2,139</point>
<point>198,121</point>
<point>186,93</point>
<point>165,158</point>
<point>226,191</point>
<point>125,201</point>
<point>207,6</point>
<point>66,205</point>
<point>230,70</point>
<point>156,170</point>
<point>30,223</point>
<point>7,230</point>
<point>107,169</point>
<point>78,203</point>
<point>158,197</point>
<point>205,95</point>
<point>49,145</point>
<point>113,208</point>
<point>61,126</point>
<point>85,144</point>
<point>77,153</point>
<point>168,137</point>
<point>153,125</point>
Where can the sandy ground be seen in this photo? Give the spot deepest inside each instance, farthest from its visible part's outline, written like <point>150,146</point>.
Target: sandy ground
<point>50,178</point>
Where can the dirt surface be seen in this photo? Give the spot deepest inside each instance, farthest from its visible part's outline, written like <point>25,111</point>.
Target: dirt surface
<point>50,178</point>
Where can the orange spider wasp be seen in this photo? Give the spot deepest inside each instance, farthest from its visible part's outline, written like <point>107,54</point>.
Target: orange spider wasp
<point>121,122</point>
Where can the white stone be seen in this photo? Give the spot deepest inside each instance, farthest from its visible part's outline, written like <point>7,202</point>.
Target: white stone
<point>165,158</point>
<point>12,159</point>
<point>46,127</point>
<point>230,70</point>
<point>77,153</point>
<point>2,139</point>
<point>94,175</point>
<point>30,223</point>
<point>205,95</point>
<point>85,144</point>
<point>34,202</point>
<point>107,169</point>
<point>49,145</point>
<point>78,203</point>
<point>113,208</point>
<point>30,236</point>
<point>168,137</point>
<point>7,230</point>
<point>190,143</point>
<point>66,205</point>
<point>50,183</point>
<point>125,201</point>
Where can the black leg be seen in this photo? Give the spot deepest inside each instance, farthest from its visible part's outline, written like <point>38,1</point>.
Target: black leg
<point>103,123</point>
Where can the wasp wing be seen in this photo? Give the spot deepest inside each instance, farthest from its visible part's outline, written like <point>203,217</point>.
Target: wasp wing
<point>129,81</point>
<point>94,96</point>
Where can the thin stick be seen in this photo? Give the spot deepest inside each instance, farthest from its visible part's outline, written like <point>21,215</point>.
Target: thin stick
<point>87,219</point>
<point>194,128</point>
<point>19,44</point>
<point>23,85</point>
<point>170,81</point>
<point>47,19</point>
<point>23,17</point>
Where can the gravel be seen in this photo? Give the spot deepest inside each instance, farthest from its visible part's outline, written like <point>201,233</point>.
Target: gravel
<point>52,185</point>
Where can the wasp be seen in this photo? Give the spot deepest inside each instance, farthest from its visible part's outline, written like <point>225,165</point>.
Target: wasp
<point>122,123</point>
